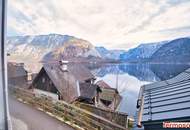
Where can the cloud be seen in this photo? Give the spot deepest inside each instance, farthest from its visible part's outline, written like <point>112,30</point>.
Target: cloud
<point>177,29</point>
<point>109,23</point>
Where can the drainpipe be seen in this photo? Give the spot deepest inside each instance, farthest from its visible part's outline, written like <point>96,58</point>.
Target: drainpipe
<point>4,112</point>
<point>97,97</point>
<point>140,106</point>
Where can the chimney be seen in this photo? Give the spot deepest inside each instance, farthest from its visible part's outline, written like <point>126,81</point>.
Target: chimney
<point>29,76</point>
<point>63,64</point>
<point>17,64</point>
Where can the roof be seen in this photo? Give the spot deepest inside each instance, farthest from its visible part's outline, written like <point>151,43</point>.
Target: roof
<point>87,90</point>
<point>102,84</point>
<point>80,72</point>
<point>188,70</point>
<point>16,70</point>
<point>65,82</point>
<point>167,99</point>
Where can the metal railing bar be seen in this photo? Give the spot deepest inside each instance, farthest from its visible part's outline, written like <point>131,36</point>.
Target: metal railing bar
<point>168,110</point>
<point>168,95</point>
<point>168,104</point>
<point>167,99</point>
<point>166,86</point>
<point>152,95</point>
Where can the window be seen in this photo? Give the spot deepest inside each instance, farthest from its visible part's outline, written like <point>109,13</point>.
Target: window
<point>43,79</point>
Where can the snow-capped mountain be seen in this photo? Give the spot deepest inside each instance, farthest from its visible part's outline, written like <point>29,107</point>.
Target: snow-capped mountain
<point>176,51</point>
<point>110,54</point>
<point>142,52</point>
<point>56,47</point>
<point>36,47</point>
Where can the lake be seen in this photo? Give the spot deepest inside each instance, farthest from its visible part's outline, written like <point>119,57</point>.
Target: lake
<point>132,76</point>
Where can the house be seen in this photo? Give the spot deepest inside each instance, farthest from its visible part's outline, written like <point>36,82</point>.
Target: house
<point>17,74</point>
<point>107,98</point>
<point>65,81</point>
<point>165,101</point>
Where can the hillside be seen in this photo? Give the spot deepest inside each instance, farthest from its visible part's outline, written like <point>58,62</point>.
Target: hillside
<point>141,52</point>
<point>74,48</point>
<point>176,51</point>
<point>53,45</point>
<point>110,54</point>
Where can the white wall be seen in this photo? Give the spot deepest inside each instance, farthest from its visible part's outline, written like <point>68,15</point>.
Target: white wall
<point>39,92</point>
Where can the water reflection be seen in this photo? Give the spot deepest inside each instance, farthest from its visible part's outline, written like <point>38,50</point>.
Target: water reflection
<point>132,76</point>
<point>167,71</point>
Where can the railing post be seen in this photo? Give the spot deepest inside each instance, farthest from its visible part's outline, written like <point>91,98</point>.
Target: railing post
<point>127,122</point>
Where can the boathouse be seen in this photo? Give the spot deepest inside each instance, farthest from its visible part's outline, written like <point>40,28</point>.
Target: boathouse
<point>65,81</point>
<point>165,101</point>
<point>108,98</point>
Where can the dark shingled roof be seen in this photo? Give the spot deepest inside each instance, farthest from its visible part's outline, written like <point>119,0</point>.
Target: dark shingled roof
<point>80,72</point>
<point>102,84</point>
<point>87,90</point>
<point>65,82</point>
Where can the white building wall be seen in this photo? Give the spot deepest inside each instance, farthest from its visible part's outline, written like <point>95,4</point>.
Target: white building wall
<point>39,92</point>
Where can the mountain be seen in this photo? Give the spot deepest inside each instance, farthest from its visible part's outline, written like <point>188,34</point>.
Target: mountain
<point>110,54</point>
<point>176,51</point>
<point>56,47</point>
<point>37,47</point>
<point>72,49</point>
<point>141,52</point>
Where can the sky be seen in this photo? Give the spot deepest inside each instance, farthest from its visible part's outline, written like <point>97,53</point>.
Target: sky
<point>109,23</point>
